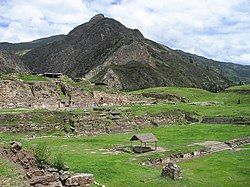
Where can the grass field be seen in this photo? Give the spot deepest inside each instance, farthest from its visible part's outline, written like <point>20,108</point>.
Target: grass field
<point>227,102</point>
<point>92,154</point>
<point>228,168</point>
<point>96,155</point>
<point>9,173</point>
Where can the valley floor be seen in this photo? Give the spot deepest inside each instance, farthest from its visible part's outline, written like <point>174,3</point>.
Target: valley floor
<point>112,168</point>
<point>98,154</point>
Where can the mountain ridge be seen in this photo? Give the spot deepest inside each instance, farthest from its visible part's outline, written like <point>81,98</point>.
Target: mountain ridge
<point>106,52</point>
<point>22,46</point>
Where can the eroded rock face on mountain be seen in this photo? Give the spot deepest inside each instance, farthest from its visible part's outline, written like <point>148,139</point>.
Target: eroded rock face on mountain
<point>124,54</point>
<point>9,63</point>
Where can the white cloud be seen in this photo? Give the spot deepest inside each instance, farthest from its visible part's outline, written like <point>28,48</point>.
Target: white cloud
<point>215,29</point>
<point>242,58</point>
<point>34,19</point>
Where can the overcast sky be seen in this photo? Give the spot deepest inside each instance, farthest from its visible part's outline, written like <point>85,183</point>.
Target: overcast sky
<point>218,29</point>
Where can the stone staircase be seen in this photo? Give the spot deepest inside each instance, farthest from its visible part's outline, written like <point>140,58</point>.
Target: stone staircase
<point>218,147</point>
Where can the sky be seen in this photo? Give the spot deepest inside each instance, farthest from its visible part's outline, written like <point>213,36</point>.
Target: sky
<point>217,29</point>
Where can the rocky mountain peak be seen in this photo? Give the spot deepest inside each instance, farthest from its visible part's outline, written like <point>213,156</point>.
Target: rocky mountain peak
<point>96,18</point>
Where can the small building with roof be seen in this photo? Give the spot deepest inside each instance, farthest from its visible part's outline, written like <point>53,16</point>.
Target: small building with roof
<point>52,75</point>
<point>143,139</point>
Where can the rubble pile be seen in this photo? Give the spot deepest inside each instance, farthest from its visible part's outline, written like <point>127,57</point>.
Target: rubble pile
<point>172,170</point>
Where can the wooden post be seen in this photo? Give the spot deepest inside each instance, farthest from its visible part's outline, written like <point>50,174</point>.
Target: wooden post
<point>141,147</point>
<point>145,144</point>
<point>131,144</point>
<point>155,145</point>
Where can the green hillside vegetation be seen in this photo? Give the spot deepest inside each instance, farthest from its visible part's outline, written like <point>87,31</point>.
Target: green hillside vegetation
<point>199,95</point>
<point>240,87</point>
<point>225,102</point>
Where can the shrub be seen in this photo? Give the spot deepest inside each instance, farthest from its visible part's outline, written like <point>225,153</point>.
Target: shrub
<point>58,162</point>
<point>42,154</point>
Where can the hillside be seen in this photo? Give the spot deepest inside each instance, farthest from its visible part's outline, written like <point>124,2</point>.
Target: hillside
<point>235,72</point>
<point>11,63</point>
<point>23,47</point>
<point>107,53</point>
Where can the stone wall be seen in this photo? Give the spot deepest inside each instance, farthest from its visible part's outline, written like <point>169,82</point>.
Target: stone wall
<point>222,146</point>
<point>55,94</point>
<point>102,98</point>
<point>16,94</point>
<point>47,175</point>
<point>88,123</point>
<point>227,120</point>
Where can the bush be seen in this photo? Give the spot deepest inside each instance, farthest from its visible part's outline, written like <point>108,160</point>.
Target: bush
<point>42,154</point>
<point>58,162</point>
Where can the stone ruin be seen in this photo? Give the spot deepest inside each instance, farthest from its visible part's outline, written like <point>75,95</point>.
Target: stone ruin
<point>54,95</point>
<point>172,171</point>
<point>209,149</point>
<point>44,177</point>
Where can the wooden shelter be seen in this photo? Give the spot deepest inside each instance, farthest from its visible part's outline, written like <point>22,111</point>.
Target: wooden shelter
<point>144,139</point>
<point>52,75</point>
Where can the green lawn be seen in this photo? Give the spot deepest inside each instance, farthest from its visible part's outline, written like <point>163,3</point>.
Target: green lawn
<point>228,168</point>
<point>199,95</point>
<point>9,173</point>
<point>241,87</point>
<point>227,102</point>
<point>26,77</point>
<point>86,154</point>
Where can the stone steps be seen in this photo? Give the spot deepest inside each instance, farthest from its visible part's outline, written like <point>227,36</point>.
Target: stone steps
<point>219,147</point>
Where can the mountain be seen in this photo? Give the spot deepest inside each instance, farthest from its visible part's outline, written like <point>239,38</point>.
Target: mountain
<point>106,52</point>
<point>236,72</point>
<point>23,47</point>
<point>11,63</point>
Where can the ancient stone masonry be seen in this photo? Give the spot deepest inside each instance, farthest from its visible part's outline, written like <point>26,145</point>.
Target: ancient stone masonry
<point>172,170</point>
<point>102,98</point>
<point>216,147</point>
<point>30,127</point>
<point>14,94</point>
<point>238,142</point>
<point>166,97</point>
<point>227,120</point>
<point>55,94</point>
<point>44,177</point>
<point>96,122</point>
